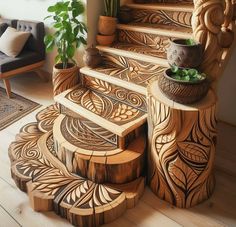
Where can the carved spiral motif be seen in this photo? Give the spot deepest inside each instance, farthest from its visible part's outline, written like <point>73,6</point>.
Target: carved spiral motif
<point>135,99</point>
<point>211,26</point>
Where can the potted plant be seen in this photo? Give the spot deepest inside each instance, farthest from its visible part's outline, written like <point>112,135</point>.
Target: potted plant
<point>184,85</point>
<point>107,23</point>
<point>185,53</point>
<point>68,35</point>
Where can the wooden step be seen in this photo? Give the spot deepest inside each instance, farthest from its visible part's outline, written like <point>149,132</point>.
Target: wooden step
<point>37,171</point>
<point>145,60</point>
<point>174,15</point>
<point>115,116</point>
<point>190,2</point>
<point>152,41</point>
<point>119,93</point>
<point>158,30</point>
<point>91,151</point>
<point>114,74</point>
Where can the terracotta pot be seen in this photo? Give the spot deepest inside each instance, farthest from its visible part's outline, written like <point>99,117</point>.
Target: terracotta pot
<point>183,55</point>
<point>184,92</point>
<point>92,58</point>
<point>105,40</point>
<point>63,79</point>
<point>125,15</point>
<point>107,25</point>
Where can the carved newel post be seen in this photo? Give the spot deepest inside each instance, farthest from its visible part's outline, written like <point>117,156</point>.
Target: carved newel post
<point>181,152</point>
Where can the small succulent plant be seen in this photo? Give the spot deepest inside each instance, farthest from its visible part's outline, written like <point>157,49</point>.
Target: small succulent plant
<point>188,75</point>
<point>190,42</point>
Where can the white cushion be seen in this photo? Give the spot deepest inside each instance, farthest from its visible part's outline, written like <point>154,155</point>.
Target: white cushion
<point>13,41</point>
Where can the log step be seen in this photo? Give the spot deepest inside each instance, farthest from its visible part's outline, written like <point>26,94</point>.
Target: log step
<point>163,14</point>
<point>90,151</point>
<point>51,187</point>
<point>115,116</point>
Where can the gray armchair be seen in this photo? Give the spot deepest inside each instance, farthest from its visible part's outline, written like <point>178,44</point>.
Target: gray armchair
<point>31,57</point>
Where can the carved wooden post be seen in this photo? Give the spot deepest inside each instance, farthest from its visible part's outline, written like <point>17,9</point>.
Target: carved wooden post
<point>213,26</point>
<point>181,148</point>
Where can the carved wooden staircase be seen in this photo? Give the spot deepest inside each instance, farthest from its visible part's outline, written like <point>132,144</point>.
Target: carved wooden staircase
<point>84,157</point>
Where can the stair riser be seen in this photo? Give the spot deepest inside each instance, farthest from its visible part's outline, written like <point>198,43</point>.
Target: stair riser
<point>120,142</point>
<point>159,44</point>
<point>133,71</point>
<point>116,92</point>
<point>165,1</point>
<point>163,17</point>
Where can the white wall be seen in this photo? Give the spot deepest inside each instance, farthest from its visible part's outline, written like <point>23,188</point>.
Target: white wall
<point>32,10</point>
<point>227,92</point>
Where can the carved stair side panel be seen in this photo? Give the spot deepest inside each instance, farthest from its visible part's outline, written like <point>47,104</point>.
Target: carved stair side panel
<point>213,27</point>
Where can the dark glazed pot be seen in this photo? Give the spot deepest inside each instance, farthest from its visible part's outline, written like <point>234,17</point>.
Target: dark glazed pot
<point>125,15</point>
<point>183,55</point>
<point>183,91</point>
<point>92,58</point>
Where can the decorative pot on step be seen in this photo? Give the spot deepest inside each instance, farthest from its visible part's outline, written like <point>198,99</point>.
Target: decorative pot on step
<point>64,79</point>
<point>107,25</point>
<point>125,15</point>
<point>105,40</point>
<point>92,58</point>
<point>184,92</point>
<point>184,55</point>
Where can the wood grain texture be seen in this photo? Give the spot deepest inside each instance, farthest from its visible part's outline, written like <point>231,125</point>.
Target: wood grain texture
<point>182,143</point>
<point>103,106</point>
<point>64,79</point>
<point>91,151</point>
<point>213,26</point>
<point>127,69</point>
<point>164,17</point>
<point>50,186</point>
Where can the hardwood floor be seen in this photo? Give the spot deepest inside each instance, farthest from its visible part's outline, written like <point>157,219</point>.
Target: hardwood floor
<point>219,210</point>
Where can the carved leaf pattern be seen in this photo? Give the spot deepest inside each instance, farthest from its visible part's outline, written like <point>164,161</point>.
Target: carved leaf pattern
<point>134,71</point>
<point>193,152</point>
<point>182,174</point>
<point>46,117</point>
<point>174,18</point>
<point>108,108</point>
<point>182,153</point>
<point>124,112</point>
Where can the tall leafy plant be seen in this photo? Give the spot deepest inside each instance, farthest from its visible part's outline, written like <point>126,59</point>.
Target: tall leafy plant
<point>69,30</point>
<point>111,7</point>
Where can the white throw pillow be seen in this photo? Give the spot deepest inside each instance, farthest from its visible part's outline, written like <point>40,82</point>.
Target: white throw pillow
<point>13,41</point>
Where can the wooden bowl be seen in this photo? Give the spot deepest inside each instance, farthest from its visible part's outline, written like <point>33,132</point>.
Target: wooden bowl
<point>184,92</point>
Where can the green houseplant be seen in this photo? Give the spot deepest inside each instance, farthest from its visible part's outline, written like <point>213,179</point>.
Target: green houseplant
<point>107,23</point>
<point>68,35</point>
<point>184,85</point>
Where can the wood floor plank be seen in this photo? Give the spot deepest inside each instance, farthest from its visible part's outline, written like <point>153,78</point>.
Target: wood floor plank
<point>185,217</point>
<point>7,220</point>
<point>145,215</point>
<point>16,203</point>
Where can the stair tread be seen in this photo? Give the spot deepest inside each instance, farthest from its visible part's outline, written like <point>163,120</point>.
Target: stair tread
<point>140,49</point>
<point>134,55</point>
<point>115,116</point>
<point>183,7</point>
<point>114,75</point>
<point>157,29</point>
<point>84,136</point>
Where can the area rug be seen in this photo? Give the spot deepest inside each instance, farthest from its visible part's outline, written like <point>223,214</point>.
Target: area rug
<point>11,110</point>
